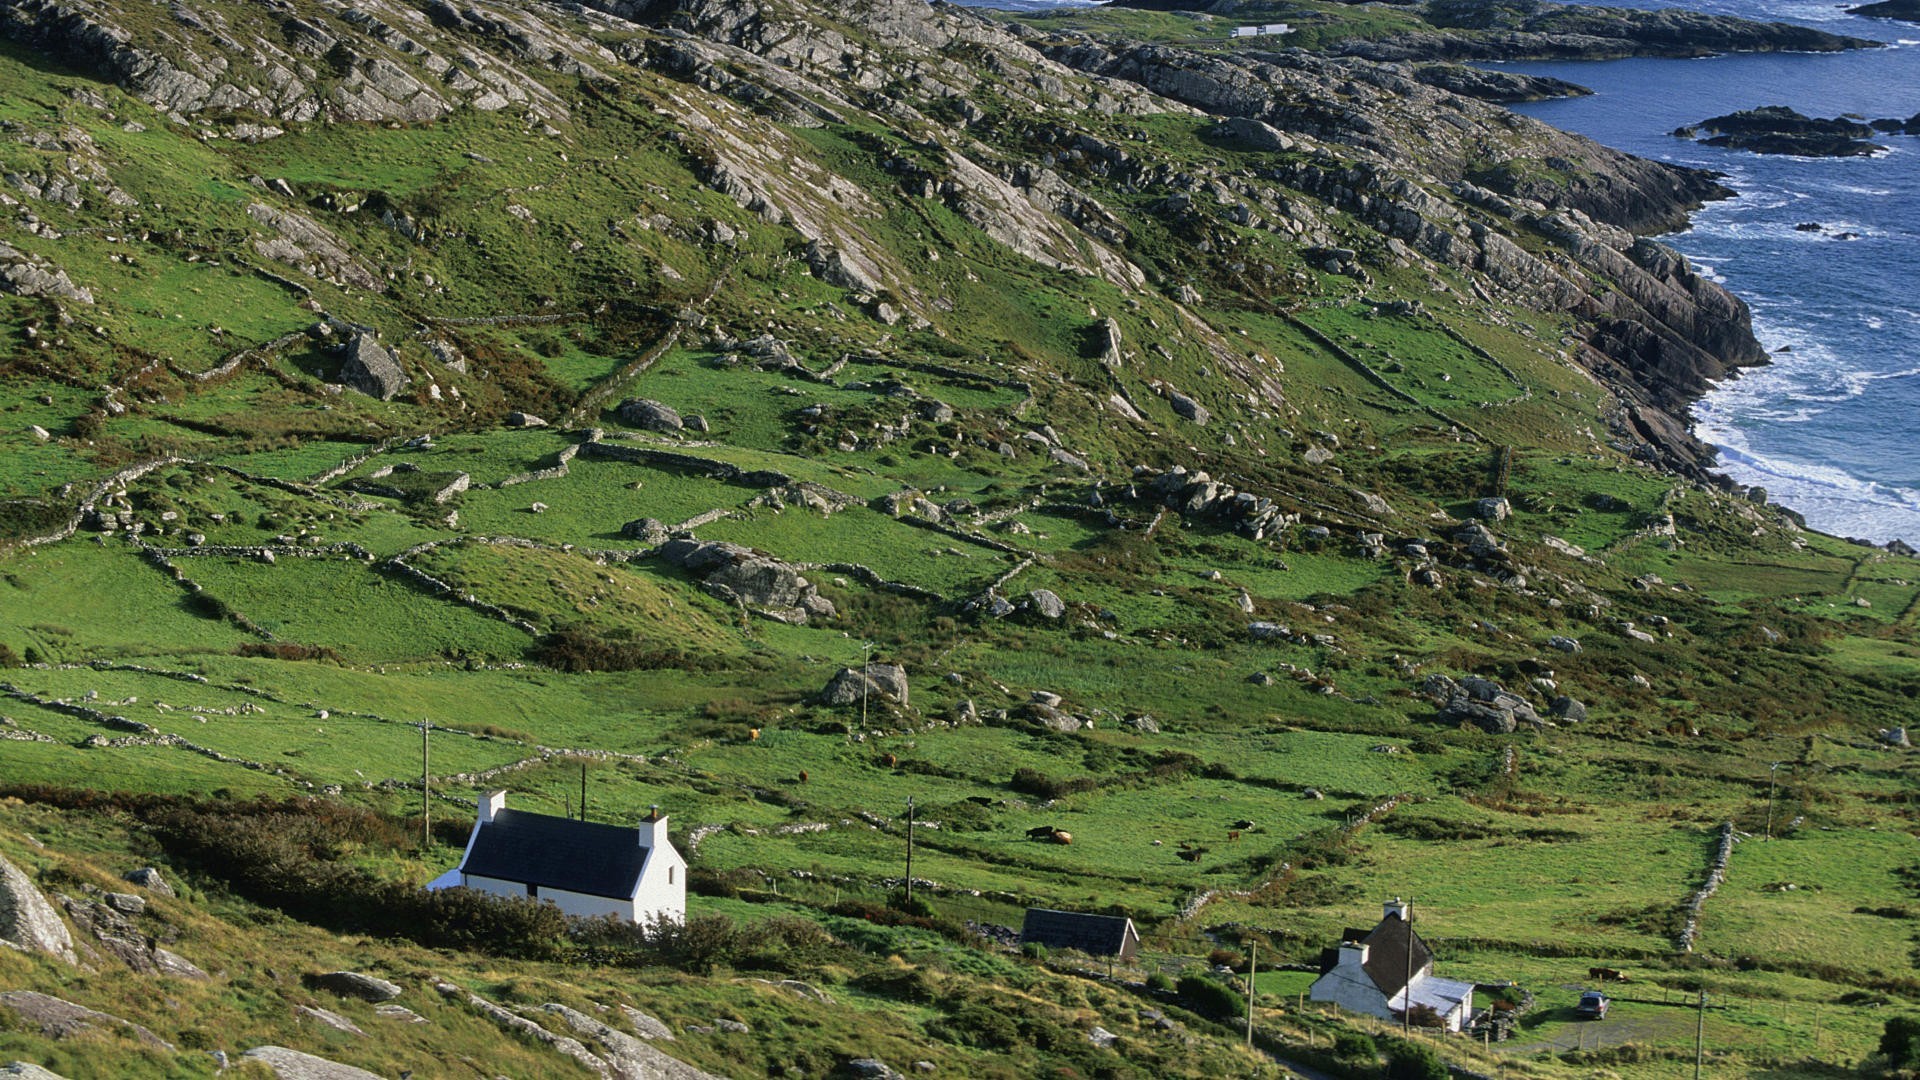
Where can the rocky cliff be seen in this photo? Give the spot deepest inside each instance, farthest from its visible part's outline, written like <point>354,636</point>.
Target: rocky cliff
<point>1011,129</point>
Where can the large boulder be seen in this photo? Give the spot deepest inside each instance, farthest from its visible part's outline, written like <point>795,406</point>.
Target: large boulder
<point>740,575</point>
<point>367,366</point>
<point>649,415</point>
<point>27,920</point>
<point>57,1018</point>
<point>887,682</point>
<point>1481,702</point>
<point>1046,604</point>
<point>149,878</point>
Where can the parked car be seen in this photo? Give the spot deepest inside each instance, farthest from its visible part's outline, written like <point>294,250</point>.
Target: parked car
<point>1593,1005</point>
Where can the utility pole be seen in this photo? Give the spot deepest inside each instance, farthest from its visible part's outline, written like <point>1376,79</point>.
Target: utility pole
<point>1253,953</point>
<point>909,854</point>
<point>426,791</point>
<point>1700,1033</point>
<point>583,789</point>
<point>1406,991</point>
<point>1773,771</point>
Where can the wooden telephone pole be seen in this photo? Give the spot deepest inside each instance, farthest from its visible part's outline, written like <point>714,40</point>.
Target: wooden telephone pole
<point>426,790</point>
<point>909,854</point>
<point>1253,953</point>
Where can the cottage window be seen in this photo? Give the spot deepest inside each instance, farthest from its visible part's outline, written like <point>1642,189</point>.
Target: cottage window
<point>533,890</point>
<point>669,875</point>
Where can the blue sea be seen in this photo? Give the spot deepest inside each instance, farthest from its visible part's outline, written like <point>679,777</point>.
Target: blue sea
<point>1832,427</point>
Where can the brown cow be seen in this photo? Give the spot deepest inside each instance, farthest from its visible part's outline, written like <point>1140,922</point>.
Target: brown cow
<point>1607,974</point>
<point>1060,836</point>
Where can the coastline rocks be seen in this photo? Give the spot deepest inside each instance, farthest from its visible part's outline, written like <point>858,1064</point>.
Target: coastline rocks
<point>1777,129</point>
<point>1903,10</point>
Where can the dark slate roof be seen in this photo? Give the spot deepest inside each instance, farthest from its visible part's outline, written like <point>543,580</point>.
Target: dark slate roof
<point>558,853</point>
<point>1099,935</point>
<point>1387,956</point>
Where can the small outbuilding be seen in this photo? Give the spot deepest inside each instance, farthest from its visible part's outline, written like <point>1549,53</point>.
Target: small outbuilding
<point>1384,971</point>
<point>584,868</point>
<point>1095,935</point>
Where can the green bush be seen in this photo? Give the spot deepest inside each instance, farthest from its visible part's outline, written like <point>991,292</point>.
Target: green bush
<point>1414,1061</point>
<point>1160,982</point>
<point>1210,999</point>
<point>1900,1041</point>
<point>1354,1046</point>
<point>976,1025</point>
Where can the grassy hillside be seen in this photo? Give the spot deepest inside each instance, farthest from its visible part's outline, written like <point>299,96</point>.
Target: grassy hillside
<point>945,330</point>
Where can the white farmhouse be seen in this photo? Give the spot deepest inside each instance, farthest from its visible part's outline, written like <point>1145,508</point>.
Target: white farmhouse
<point>1386,970</point>
<point>584,868</point>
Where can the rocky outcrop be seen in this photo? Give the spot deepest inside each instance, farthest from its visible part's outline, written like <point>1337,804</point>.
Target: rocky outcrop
<point>875,682</point>
<point>296,1065</point>
<point>740,575</point>
<point>1481,702</point>
<point>23,274</point>
<point>369,367</point>
<point>1538,30</point>
<point>1777,129</point>
<point>309,247</point>
<point>1903,10</point>
<point>27,920</point>
<point>60,1019</point>
<point>359,66</point>
<point>649,415</point>
<point>353,984</point>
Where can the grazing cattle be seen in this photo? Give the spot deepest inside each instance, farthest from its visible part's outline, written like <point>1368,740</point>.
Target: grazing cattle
<point>1041,832</point>
<point>889,760</point>
<point>1606,974</point>
<point>803,776</point>
<point>753,733</point>
<point>1243,823</point>
<point>1234,835</point>
<point>1062,837</point>
<point>1190,854</point>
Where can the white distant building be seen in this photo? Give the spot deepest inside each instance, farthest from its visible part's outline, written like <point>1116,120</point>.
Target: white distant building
<point>584,868</point>
<point>1369,973</point>
<point>1268,30</point>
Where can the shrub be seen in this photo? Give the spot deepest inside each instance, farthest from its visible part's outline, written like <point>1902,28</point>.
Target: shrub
<point>976,1025</point>
<point>1414,1061</point>
<point>1900,1041</point>
<point>1160,982</point>
<point>1210,999</point>
<point>1354,1046</point>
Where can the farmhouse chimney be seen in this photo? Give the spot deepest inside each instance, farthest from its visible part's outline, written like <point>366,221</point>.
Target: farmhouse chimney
<point>1397,908</point>
<point>491,804</point>
<point>653,828</point>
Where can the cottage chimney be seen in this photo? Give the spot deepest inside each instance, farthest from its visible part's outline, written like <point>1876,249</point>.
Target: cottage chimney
<point>653,828</point>
<point>1397,908</point>
<point>491,804</point>
<point>1353,954</point>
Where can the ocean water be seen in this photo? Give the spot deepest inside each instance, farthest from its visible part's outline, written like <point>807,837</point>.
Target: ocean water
<point>1832,427</point>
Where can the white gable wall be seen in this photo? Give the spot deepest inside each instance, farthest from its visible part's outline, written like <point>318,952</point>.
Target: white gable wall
<point>1349,986</point>
<point>662,893</point>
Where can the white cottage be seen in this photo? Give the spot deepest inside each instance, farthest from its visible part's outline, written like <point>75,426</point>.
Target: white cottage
<point>1386,970</point>
<point>584,868</point>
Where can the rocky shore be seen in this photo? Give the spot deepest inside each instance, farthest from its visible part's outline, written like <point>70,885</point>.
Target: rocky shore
<point>1778,129</point>
<point>1903,10</point>
<point>1477,30</point>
